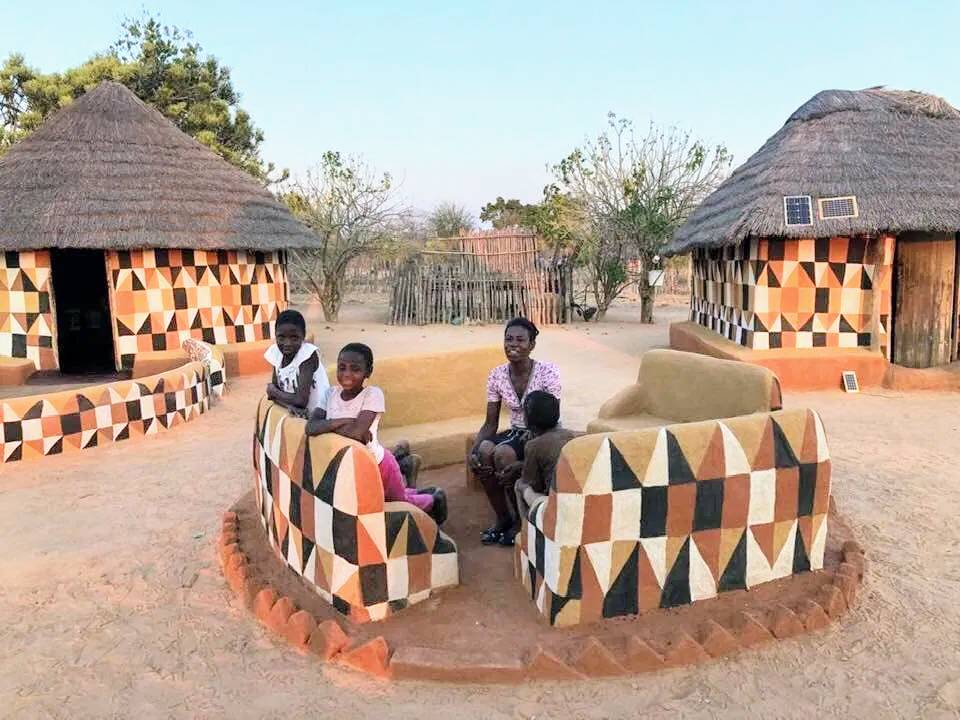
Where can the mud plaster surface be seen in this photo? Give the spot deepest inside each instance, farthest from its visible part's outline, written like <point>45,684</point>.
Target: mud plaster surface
<point>491,612</point>
<point>112,604</point>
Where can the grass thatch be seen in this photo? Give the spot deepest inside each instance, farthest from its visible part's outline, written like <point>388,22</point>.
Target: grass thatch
<point>898,152</point>
<point>107,171</point>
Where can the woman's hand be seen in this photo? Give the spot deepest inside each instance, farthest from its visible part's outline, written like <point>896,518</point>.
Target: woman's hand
<point>477,467</point>
<point>508,476</point>
<point>272,391</point>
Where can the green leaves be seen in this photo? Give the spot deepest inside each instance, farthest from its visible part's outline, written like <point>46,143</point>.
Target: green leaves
<point>164,68</point>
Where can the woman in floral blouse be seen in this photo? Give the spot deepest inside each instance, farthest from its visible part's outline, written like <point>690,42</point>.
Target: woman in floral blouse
<point>496,458</point>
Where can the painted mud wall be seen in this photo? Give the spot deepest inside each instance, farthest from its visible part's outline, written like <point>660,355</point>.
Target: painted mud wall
<point>778,293</point>
<point>159,298</point>
<point>27,323</point>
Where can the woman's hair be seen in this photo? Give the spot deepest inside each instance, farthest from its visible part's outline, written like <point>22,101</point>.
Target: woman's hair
<point>292,317</point>
<point>525,324</point>
<point>362,350</point>
<point>542,410</point>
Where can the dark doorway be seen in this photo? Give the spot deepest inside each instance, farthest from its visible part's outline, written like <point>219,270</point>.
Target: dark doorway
<point>924,297</point>
<point>84,334</point>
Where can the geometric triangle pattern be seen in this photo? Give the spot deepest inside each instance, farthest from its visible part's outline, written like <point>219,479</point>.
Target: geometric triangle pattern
<point>162,297</point>
<point>769,293</point>
<point>26,317</point>
<point>322,508</point>
<point>39,425</point>
<point>716,506</point>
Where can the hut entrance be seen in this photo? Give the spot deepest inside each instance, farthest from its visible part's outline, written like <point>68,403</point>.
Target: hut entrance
<point>84,334</point>
<point>925,300</point>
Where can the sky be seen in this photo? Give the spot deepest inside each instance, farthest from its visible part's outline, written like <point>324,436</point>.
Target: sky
<point>465,101</point>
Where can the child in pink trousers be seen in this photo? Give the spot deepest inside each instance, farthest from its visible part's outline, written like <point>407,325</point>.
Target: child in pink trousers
<point>354,411</point>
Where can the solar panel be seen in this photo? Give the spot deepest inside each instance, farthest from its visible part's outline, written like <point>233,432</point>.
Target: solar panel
<point>850,383</point>
<point>838,207</point>
<point>797,209</point>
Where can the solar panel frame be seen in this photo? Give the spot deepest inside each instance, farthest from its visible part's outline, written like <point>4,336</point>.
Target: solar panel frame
<point>797,210</point>
<point>840,206</point>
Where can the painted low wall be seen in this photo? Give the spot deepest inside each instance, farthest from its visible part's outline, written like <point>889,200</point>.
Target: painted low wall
<point>322,508</point>
<point>27,321</point>
<point>41,425</point>
<point>772,293</point>
<point>658,518</point>
<point>159,298</point>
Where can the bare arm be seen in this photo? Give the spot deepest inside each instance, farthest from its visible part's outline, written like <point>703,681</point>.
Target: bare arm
<point>490,425</point>
<point>357,428</point>
<point>301,397</point>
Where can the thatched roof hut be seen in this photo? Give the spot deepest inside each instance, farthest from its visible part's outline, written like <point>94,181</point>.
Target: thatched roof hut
<point>121,236</point>
<point>840,232</point>
<point>898,152</point>
<point>110,172</point>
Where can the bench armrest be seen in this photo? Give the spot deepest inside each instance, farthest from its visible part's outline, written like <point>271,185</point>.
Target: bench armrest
<point>628,401</point>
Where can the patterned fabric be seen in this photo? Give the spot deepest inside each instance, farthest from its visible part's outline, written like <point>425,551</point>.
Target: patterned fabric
<point>26,317</point>
<point>774,293</point>
<point>544,376</point>
<point>664,517</point>
<point>34,426</point>
<point>288,377</point>
<point>321,505</point>
<point>162,297</point>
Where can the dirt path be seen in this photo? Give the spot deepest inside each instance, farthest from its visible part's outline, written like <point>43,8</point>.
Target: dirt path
<point>112,605</point>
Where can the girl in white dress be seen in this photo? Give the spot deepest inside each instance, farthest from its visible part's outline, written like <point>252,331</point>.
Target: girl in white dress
<point>299,378</point>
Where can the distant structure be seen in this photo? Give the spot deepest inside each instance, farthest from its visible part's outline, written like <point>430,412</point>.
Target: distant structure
<point>840,233</point>
<point>121,235</point>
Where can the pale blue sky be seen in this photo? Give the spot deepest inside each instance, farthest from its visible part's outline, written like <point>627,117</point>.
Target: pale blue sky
<point>467,101</point>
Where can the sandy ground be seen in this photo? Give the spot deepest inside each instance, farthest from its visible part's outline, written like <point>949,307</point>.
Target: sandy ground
<point>112,605</point>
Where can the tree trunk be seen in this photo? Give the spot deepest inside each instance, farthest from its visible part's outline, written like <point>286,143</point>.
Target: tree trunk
<point>330,299</point>
<point>646,291</point>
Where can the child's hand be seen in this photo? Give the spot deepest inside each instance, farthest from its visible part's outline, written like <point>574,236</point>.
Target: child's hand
<point>272,391</point>
<point>508,476</point>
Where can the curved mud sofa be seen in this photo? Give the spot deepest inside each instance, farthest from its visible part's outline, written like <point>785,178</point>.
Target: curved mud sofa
<point>321,506</point>
<point>658,518</point>
<point>41,425</point>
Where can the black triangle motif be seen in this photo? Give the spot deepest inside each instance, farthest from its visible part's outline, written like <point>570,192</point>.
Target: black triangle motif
<point>28,285</point>
<point>324,491</point>
<point>783,455</point>
<point>785,325</point>
<point>734,576</point>
<point>293,512</point>
<point>678,469</point>
<point>839,270</point>
<point>810,269</point>
<point>415,543</point>
<point>808,325</point>
<point>676,588</point>
<point>137,285</point>
<point>801,560</point>
<point>865,282</point>
<point>394,521</point>
<point>172,325</point>
<point>622,598</point>
<point>622,476</point>
<point>845,325</point>
<point>197,323</point>
<point>443,545</point>
<point>306,472</point>
<point>35,412</point>
<point>575,586</point>
<point>557,604</point>
<point>772,278</point>
<point>308,546</point>
<point>83,403</point>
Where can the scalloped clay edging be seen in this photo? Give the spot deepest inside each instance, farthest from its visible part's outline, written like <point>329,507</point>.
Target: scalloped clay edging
<point>624,654</point>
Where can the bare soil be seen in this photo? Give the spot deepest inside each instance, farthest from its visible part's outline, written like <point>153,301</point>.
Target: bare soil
<point>112,605</point>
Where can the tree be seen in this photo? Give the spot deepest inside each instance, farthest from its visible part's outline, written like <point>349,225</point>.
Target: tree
<point>635,193</point>
<point>351,210</point>
<point>508,213</point>
<point>165,69</point>
<point>449,219</point>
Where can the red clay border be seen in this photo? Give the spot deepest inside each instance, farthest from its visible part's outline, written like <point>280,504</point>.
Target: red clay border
<point>328,641</point>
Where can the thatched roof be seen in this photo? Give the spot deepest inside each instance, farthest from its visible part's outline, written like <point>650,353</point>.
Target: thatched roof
<point>108,171</point>
<point>897,152</point>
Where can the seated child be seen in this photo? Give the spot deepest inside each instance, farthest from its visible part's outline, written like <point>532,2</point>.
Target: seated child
<point>299,378</point>
<point>542,450</point>
<point>354,411</point>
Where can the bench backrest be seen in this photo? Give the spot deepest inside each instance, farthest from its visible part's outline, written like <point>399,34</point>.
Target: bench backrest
<point>688,387</point>
<point>435,386</point>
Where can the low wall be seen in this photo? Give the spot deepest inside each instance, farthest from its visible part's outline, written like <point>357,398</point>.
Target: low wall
<point>41,425</point>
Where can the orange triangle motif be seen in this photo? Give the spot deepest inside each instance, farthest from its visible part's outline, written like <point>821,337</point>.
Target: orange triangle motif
<point>714,464</point>
<point>763,534</point>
